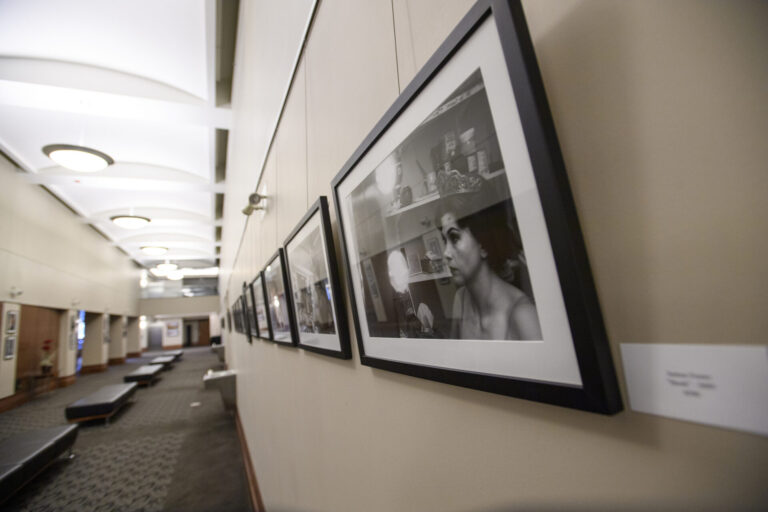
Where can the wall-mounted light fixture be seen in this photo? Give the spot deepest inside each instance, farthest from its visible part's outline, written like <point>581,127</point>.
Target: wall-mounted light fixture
<point>15,292</point>
<point>78,158</point>
<point>256,202</point>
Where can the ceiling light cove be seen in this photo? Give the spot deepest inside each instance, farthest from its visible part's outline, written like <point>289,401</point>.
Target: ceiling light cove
<point>175,275</point>
<point>78,158</point>
<point>130,221</point>
<point>154,250</point>
<point>167,267</point>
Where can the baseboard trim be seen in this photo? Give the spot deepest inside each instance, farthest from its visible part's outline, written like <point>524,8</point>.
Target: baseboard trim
<point>253,484</point>
<point>133,354</point>
<point>116,360</point>
<point>172,347</point>
<point>13,401</point>
<point>93,368</point>
<point>66,381</point>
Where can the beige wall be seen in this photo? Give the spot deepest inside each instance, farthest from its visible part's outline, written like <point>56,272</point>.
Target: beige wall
<point>133,341</point>
<point>117,342</point>
<point>95,350</point>
<point>54,257</point>
<point>67,352</point>
<point>661,110</point>
<point>185,306</point>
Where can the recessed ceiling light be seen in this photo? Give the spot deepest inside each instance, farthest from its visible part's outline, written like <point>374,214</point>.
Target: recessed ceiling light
<point>166,267</point>
<point>151,250</point>
<point>130,221</point>
<point>78,158</point>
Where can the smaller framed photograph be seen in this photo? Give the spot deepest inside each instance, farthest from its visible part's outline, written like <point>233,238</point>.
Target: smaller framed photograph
<point>9,350</point>
<point>248,318</point>
<point>236,316</point>
<point>229,320</point>
<point>173,329</point>
<point>11,321</point>
<point>282,322</point>
<point>313,275</point>
<point>263,329</point>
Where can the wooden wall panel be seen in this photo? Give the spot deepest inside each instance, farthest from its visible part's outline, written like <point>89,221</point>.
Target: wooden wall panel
<point>37,325</point>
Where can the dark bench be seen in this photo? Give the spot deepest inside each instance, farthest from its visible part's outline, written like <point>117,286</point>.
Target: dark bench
<point>166,361</point>
<point>144,375</point>
<point>25,455</point>
<point>101,404</point>
<point>176,354</point>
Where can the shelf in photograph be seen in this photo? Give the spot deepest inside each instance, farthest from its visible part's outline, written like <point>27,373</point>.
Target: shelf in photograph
<point>427,276</point>
<point>419,202</point>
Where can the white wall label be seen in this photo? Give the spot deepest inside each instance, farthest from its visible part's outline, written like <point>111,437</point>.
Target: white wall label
<point>720,385</point>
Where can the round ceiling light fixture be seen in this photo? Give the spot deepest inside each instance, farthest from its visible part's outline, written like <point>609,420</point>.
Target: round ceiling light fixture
<point>78,158</point>
<point>175,275</point>
<point>152,250</point>
<point>130,221</point>
<point>166,267</point>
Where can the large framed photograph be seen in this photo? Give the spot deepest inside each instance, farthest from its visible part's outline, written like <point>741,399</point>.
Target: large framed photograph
<point>276,286</point>
<point>260,307</point>
<point>464,256</point>
<point>310,262</point>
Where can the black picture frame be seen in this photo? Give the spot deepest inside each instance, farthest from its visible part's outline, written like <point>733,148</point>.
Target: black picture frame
<point>260,307</point>
<point>229,320</point>
<point>277,291</point>
<point>247,315</point>
<point>313,236</point>
<point>488,64</point>
<point>253,324</point>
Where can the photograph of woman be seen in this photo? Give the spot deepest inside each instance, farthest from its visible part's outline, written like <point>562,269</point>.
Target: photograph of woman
<point>435,221</point>
<point>481,251</point>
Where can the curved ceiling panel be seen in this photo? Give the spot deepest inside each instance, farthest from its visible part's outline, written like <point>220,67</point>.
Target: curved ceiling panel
<point>171,49</point>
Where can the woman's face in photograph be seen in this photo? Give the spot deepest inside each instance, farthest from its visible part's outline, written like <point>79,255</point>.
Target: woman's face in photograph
<point>463,253</point>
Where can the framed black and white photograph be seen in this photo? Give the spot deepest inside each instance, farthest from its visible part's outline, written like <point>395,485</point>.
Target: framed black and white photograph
<point>310,262</point>
<point>236,316</point>
<point>253,323</point>
<point>11,321</point>
<point>229,320</point>
<point>464,255</point>
<point>260,307</point>
<point>282,323</point>
<point>9,349</point>
<point>248,318</point>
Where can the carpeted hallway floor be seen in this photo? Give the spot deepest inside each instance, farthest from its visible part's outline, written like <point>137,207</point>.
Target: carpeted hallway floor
<point>173,448</point>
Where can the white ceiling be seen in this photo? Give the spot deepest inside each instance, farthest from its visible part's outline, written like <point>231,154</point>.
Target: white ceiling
<point>136,80</point>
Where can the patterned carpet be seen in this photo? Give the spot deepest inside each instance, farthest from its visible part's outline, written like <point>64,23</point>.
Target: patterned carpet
<point>173,448</point>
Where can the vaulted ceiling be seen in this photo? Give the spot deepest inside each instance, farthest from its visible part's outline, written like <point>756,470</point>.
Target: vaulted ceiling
<point>148,83</point>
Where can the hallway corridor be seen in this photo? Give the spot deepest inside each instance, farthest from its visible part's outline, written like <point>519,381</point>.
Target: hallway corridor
<point>174,447</point>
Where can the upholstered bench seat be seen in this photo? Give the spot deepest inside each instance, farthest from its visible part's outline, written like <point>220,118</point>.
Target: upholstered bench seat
<point>144,375</point>
<point>166,361</point>
<point>102,404</point>
<point>25,455</point>
<point>176,354</point>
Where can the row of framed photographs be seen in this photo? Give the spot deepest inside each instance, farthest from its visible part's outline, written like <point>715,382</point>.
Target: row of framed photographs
<point>464,259</point>
<point>296,298</point>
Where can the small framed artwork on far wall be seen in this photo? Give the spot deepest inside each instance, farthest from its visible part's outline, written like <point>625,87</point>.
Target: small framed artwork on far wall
<point>313,274</point>
<point>10,347</point>
<point>282,322</point>
<point>11,321</point>
<point>260,307</point>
